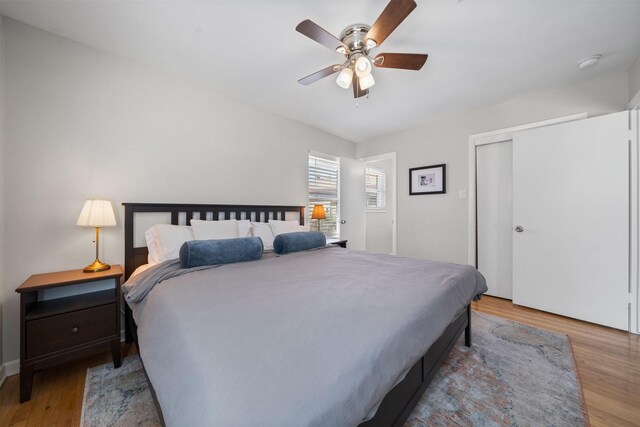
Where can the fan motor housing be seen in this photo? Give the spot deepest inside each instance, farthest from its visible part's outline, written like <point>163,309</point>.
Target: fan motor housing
<point>353,36</point>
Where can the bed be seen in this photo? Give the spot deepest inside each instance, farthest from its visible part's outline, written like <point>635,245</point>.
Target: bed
<point>317,337</point>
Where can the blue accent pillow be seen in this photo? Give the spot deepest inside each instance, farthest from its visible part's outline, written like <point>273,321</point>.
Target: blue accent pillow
<point>298,241</point>
<point>195,253</point>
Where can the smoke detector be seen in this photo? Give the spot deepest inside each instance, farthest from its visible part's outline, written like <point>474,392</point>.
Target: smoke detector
<point>589,62</point>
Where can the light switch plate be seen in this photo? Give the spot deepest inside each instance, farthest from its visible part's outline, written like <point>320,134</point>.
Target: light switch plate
<point>463,194</point>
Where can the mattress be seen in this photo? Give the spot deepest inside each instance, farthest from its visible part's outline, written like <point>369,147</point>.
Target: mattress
<point>314,338</point>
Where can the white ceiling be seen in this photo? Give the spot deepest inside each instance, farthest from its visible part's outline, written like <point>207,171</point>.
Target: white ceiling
<point>480,52</point>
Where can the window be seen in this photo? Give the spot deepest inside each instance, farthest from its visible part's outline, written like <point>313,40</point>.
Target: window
<point>375,188</point>
<point>324,175</point>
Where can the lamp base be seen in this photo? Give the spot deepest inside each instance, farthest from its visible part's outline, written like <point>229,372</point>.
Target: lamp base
<point>96,266</point>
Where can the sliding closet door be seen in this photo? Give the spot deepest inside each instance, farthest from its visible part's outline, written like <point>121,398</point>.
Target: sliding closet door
<point>494,180</point>
<point>571,219</point>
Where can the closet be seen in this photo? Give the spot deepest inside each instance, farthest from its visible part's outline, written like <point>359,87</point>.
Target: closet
<point>554,218</point>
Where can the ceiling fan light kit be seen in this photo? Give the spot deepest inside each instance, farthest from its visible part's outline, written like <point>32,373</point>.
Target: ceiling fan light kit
<point>363,66</point>
<point>344,78</point>
<point>366,82</point>
<point>355,43</point>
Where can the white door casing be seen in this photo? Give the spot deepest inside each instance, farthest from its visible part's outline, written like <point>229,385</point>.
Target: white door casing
<point>571,196</point>
<point>635,230</point>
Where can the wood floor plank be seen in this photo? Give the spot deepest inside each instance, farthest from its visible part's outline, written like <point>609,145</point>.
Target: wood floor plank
<point>607,360</point>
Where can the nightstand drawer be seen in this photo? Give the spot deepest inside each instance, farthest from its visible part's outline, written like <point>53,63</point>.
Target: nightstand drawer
<point>59,332</point>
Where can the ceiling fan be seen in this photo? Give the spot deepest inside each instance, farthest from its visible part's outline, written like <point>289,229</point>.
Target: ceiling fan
<point>355,43</point>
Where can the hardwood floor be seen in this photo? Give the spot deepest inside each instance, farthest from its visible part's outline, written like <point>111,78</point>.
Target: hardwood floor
<point>608,365</point>
<point>56,399</point>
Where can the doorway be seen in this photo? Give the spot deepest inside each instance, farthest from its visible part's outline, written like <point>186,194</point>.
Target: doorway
<point>380,195</point>
<point>494,199</point>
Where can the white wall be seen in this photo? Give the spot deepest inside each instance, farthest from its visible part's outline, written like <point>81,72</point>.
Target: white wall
<point>379,223</point>
<point>634,82</point>
<point>85,124</point>
<point>435,226</point>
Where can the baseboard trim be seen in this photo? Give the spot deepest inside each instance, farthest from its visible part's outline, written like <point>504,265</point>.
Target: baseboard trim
<point>12,367</point>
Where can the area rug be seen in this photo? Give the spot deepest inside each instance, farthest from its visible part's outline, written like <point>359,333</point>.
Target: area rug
<point>513,375</point>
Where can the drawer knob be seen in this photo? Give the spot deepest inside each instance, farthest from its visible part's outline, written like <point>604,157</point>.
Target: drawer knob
<point>75,329</point>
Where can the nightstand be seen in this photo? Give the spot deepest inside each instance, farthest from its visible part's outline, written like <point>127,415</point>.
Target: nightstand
<point>58,330</point>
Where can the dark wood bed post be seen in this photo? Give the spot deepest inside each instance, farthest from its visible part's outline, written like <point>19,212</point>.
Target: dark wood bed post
<point>128,264</point>
<point>467,330</point>
<point>128,240</point>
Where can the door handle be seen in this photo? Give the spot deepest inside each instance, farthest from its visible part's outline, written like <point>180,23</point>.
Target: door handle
<point>519,229</point>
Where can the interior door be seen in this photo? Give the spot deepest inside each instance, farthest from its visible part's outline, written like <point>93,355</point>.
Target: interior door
<point>352,203</point>
<point>379,222</point>
<point>571,218</point>
<point>494,181</point>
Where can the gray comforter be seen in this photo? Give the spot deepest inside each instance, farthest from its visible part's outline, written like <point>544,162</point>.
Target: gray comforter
<point>314,338</point>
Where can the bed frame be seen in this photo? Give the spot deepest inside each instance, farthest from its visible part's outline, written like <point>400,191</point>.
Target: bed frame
<point>399,401</point>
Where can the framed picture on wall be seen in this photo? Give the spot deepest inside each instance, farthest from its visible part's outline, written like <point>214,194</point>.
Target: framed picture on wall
<point>428,180</point>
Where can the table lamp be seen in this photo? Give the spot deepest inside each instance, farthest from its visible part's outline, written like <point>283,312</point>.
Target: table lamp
<point>318,214</point>
<point>97,213</point>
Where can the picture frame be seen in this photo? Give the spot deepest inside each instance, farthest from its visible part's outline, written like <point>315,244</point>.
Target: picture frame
<point>428,180</point>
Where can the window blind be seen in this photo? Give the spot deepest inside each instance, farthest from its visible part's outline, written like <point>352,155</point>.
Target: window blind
<point>324,178</point>
<point>375,179</point>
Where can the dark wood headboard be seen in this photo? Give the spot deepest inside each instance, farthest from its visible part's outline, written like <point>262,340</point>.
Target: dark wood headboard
<point>135,257</point>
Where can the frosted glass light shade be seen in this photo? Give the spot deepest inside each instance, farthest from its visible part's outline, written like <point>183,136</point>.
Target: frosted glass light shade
<point>344,78</point>
<point>367,81</point>
<point>363,67</point>
<point>97,213</point>
<point>318,212</point>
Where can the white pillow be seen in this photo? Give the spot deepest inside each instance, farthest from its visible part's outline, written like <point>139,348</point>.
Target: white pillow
<point>206,230</point>
<point>140,269</point>
<point>263,231</point>
<point>280,227</point>
<point>244,228</point>
<point>164,241</point>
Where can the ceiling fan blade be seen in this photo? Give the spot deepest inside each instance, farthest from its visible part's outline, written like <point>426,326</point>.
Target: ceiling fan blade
<point>392,15</point>
<point>357,92</point>
<point>325,72</point>
<point>320,35</point>
<point>404,61</point>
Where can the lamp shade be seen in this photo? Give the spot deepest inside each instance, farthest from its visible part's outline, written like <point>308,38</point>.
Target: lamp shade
<point>318,212</point>
<point>97,213</point>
